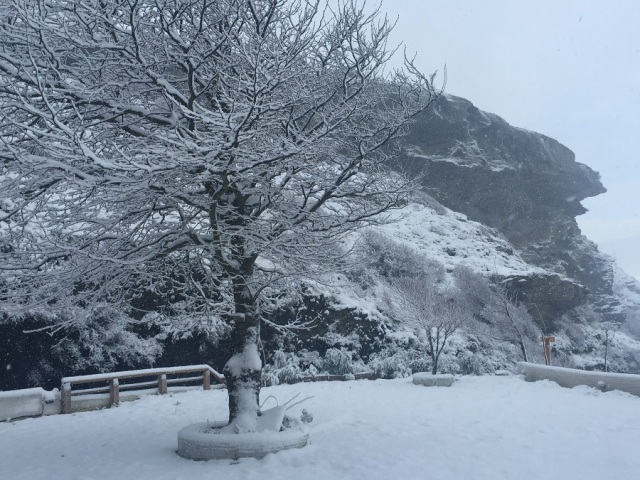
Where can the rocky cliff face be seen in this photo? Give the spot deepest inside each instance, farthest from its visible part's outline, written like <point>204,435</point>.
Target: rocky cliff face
<point>528,187</point>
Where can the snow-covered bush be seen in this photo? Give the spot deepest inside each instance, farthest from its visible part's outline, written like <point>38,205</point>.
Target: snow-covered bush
<point>389,365</point>
<point>473,364</point>
<point>39,349</point>
<point>390,259</point>
<point>449,364</point>
<point>291,367</point>
<point>338,361</point>
<point>398,362</point>
<point>104,340</point>
<point>285,368</point>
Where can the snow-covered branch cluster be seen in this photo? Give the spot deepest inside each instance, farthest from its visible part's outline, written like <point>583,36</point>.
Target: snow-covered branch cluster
<point>188,158</point>
<point>195,150</point>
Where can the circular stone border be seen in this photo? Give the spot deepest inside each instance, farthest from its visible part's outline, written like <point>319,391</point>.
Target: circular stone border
<point>200,442</point>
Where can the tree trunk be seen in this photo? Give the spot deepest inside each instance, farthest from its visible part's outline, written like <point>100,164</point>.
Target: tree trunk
<point>243,371</point>
<point>524,350</point>
<point>434,364</point>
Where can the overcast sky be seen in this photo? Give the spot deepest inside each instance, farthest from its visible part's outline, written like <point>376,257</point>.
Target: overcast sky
<point>569,69</point>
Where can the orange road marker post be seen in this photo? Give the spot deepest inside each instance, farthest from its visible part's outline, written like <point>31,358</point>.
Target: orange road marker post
<point>547,340</point>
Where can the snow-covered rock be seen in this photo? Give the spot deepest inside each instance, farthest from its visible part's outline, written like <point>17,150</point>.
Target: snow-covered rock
<point>524,184</point>
<point>433,380</point>
<point>29,402</point>
<point>571,377</point>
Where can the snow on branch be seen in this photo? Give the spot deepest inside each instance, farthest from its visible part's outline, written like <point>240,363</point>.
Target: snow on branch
<point>168,148</point>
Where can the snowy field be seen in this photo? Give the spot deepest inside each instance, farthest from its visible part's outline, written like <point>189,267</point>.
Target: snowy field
<point>480,428</point>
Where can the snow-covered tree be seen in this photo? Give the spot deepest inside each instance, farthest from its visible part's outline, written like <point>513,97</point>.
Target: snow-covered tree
<point>200,151</point>
<point>498,312</point>
<point>609,330</point>
<point>509,319</point>
<point>434,314</point>
<point>475,289</point>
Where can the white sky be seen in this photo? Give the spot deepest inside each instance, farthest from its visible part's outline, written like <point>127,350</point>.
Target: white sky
<point>569,69</point>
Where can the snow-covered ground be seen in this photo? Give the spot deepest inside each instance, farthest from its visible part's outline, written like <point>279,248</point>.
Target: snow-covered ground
<point>480,428</point>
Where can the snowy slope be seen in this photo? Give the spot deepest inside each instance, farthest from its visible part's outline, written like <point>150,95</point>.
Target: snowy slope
<point>452,239</point>
<point>435,233</point>
<point>480,428</point>
<point>628,290</point>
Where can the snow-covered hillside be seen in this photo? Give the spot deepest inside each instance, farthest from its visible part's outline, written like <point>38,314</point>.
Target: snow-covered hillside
<point>434,233</point>
<point>452,239</point>
<point>520,193</point>
<point>481,428</point>
<point>628,290</point>
<point>449,240</point>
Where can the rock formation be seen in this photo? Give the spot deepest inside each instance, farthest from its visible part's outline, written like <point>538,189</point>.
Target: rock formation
<point>528,187</point>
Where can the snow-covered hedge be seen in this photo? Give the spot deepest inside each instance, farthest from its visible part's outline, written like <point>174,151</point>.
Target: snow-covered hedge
<point>569,377</point>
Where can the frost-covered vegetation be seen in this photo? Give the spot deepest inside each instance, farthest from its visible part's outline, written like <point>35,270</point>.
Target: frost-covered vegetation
<point>351,323</point>
<point>190,160</point>
<point>237,191</point>
<point>359,321</point>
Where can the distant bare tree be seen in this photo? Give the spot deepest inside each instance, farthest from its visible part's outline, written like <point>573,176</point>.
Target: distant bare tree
<point>610,329</point>
<point>434,315</point>
<point>498,313</point>
<point>509,319</point>
<point>201,151</point>
<point>475,289</point>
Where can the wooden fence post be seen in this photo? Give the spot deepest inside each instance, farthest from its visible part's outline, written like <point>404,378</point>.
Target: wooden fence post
<point>66,398</point>
<point>206,380</point>
<point>114,393</point>
<point>162,384</point>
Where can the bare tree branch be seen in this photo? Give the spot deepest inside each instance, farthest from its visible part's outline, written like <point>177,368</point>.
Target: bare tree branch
<point>170,146</point>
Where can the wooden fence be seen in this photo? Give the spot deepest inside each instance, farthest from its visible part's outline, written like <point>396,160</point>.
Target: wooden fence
<point>336,378</point>
<point>36,402</point>
<point>116,382</point>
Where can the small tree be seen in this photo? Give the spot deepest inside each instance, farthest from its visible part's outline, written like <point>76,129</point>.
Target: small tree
<point>434,315</point>
<point>200,151</point>
<point>498,312</point>
<point>610,329</point>
<point>509,319</point>
<point>475,290</point>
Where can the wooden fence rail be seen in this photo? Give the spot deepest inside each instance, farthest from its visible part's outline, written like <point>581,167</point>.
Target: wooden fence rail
<point>158,377</point>
<point>338,378</point>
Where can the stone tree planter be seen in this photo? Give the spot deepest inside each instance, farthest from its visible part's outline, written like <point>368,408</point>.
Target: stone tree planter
<point>216,440</point>
<point>204,441</point>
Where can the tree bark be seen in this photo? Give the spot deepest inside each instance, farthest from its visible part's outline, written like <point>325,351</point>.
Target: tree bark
<point>434,364</point>
<point>243,372</point>
<point>606,349</point>
<point>524,350</point>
